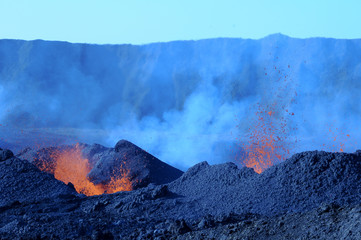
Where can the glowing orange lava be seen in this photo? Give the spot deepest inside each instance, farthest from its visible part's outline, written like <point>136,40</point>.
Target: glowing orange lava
<point>70,166</point>
<point>268,138</point>
<point>336,140</point>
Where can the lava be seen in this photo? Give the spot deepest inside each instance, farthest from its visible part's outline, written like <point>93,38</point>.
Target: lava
<point>336,140</point>
<point>70,166</point>
<point>268,139</point>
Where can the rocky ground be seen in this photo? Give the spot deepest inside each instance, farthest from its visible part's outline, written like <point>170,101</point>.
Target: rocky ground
<point>312,195</point>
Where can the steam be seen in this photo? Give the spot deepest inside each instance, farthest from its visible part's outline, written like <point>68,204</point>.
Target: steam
<point>183,102</point>
<point>199,132</point>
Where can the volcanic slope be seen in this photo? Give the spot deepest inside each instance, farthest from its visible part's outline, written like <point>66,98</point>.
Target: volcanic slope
<point>21,182</point>
<point>311,195</point>
<point>301,183</point>
<point>141,167</point>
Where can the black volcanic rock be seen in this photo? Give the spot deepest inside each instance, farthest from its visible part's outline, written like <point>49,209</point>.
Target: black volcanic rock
<point>5,154</point>
<point>90,150</point>
<point>301,183</point>
<point>122,144</point>
<point>312,195</point>
<point>143,167</point>
<point>21,181</point>
<point>308,179</point>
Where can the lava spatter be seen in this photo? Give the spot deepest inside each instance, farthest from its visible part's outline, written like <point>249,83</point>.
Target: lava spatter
<point>70,166</point>
<point>269,137</point>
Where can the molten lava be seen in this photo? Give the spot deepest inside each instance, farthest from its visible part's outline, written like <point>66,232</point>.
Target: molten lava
<point>70,166</point>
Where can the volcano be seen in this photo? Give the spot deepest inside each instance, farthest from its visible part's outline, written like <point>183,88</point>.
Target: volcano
<point>95,169</point>
<point>240,116</point>
<point>313,194</point>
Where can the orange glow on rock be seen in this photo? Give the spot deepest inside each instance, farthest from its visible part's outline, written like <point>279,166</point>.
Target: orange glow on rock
<point>70,166</point>
<point>118,185</point>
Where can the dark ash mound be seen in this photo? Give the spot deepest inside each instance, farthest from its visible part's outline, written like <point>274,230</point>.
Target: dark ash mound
<point>21,182</point>
<point>143,167</point>
<point>300,183</point>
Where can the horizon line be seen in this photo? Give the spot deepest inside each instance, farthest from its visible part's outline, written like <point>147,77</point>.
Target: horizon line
<point>180,40</point>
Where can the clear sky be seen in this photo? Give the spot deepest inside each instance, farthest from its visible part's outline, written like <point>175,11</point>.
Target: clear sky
<point>144,21</point>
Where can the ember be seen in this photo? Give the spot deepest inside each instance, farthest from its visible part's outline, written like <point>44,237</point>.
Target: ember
<point>268,139</point>
<point>336,140</point>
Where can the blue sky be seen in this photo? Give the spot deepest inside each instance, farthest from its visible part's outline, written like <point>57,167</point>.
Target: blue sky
<point>144,21</point>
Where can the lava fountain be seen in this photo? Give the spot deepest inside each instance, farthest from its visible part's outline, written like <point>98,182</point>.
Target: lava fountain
<point>268,138</point>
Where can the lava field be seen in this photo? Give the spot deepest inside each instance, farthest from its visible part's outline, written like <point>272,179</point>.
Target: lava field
<point>126,193</point>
